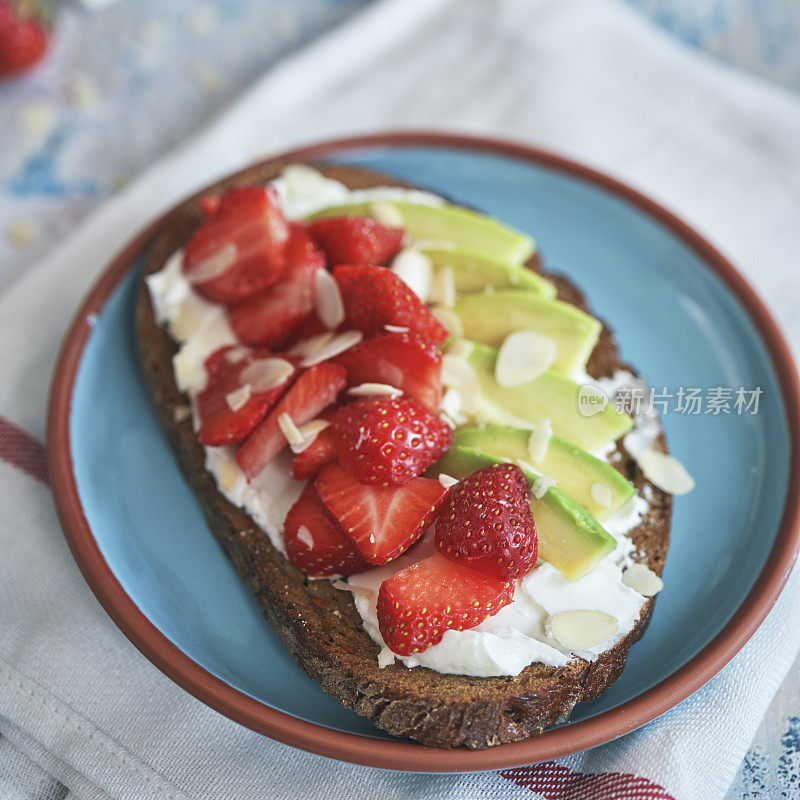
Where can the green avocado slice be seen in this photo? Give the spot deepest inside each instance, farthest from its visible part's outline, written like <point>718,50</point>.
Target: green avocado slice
<point>475,272</point>
<point>448,223</point>
<point>570,538</point>
<point>574,470</point>
<point>550,396</point>
<point>490,317</point>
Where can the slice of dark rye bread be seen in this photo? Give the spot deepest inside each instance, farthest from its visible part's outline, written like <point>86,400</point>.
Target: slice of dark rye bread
<point>319,624</point>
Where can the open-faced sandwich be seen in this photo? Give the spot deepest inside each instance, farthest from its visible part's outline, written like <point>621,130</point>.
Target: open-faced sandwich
<point>398,427</point>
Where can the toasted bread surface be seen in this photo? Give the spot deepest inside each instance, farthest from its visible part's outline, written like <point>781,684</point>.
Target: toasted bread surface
<point>319,624</point>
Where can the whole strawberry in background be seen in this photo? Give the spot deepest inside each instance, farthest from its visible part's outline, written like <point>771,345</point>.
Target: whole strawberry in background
<point>24,35</point>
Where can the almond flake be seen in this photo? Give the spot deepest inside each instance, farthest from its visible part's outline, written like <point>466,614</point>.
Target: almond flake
<point>304,535</point>
<point>386,214</point>
<point>328,300</point>
<point>523,357</point>
<point>396,328</point>
<point>447,480</point>
<point>236,354</point>
<point>339,343</point>
<point>307,347</point>
<point>238,398</point>
<point>414,269</point>
<point>581,630</point>
<point>665,471</point>
<point>215,265</point>
<point>228,474</point>
<point>181,413</point>
<point>375,390</point>
<point>267,374</point>
<point>290,431</point>
<point>450,320</point>
<point>539,441</point>
<point>309,432</point>
<point>601,494</point>
<point>541,485</point>
<point>443,288</point>
<point>643,580</point>
<point>21,233</point>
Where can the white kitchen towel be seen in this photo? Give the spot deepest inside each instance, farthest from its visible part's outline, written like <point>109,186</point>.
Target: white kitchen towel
<point>585,77</point>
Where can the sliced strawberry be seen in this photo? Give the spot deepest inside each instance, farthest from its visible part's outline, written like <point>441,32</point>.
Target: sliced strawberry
<point>313,391</point>
<point>419,603</point>
<point>375,297</point>
<point>406,361</point>
<point>310,461</point>
<point>315,543</point>
<point>24,35</point>
<point>356,240</point>
<point>272,317</point>
<point>486,523</point>
<point>382,440</point>
<point>236,397</point>
<point>380,521</point>
<point>239,250</point>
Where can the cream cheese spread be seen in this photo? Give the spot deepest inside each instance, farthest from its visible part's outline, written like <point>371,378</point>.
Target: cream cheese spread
<point>504,644</point>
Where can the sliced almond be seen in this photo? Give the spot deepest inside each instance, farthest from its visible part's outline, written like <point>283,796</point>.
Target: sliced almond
<point>386,214</point>
<point>309,432</point>
<point>447,480</point>
<point>601,494</point>
<point>238,398</point>
<point>266,374</point>
<point>450,320</point>
<point>665,471</point>
<point>181,413</point>
<point>338,344</point>
<point>541,485</point>
<point>228,473</point>
<point>328,299</point>
<point>539,441</point>
<point>312,345</point>
<point>375,390</point>
<point>459,374</point>
<point>581,630</point>
<point>414,269</point>
<point>304,535</point>
<point>215,265</point>
<point>643,580</point>
<point>451,406</point>
<point>523,357</point>
<point>236,354</point>
<point>290,431</point>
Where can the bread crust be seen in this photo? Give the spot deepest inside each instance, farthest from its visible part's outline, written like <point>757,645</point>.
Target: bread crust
<point>319,624</point>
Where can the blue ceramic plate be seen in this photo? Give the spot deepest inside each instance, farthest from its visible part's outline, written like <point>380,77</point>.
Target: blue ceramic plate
<point>682,316</point>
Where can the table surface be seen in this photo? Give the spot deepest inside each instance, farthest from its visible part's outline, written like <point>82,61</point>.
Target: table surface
<point>149,73</point>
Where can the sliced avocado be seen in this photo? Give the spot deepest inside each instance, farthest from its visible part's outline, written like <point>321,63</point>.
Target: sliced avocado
<point>570,538</point>
<point>490,317</point>
<point>550,396</point>
<point>574,470</point>
<point>475,272</point>
<point>448,223</point>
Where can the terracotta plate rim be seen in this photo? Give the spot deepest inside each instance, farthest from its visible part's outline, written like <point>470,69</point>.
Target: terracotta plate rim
<point>399,754</point>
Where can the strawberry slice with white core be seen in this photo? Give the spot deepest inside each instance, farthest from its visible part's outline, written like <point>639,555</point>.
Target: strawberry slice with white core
<point>242,385</point>
<point>419,603</point>
<point>315,543</point>
<point>380,521</point>
<point>239,248</point>
<point>404,360</point>
<point>311,393</point>
<point>375,297</point>
<point>273,318</point>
